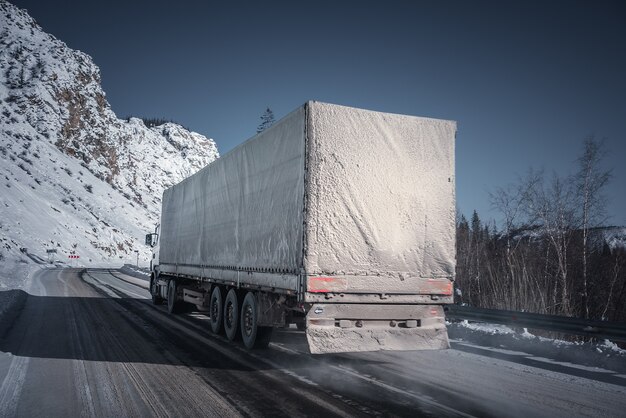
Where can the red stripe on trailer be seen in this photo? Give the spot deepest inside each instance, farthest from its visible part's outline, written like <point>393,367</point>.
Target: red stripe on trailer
<point>326,284</point>
<point>442,286</point>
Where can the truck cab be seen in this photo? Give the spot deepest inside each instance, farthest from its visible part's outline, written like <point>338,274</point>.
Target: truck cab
<point>152,240</point>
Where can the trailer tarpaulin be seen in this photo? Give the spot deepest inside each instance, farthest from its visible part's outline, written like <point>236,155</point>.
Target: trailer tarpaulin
<point>245,209</point>
<point>380,194</point>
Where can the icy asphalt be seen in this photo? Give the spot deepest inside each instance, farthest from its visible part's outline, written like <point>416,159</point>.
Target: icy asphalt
<point>92,344</point>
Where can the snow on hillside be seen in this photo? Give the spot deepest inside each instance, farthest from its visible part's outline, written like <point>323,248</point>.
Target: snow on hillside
<point>74,177</point>
<point>614,237</point>
<point>611,237</point>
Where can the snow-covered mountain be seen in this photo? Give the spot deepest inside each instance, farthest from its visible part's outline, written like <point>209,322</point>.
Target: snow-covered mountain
<point>611,238</point>
<point>74,177</point>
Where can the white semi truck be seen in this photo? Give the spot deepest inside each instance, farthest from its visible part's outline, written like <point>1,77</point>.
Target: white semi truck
<point>337,219</point>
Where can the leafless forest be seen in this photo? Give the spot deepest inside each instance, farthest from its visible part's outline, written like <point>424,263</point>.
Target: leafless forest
<point>549,253</point>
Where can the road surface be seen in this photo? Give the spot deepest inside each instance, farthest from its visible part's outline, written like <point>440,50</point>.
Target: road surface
<point>92,344</point>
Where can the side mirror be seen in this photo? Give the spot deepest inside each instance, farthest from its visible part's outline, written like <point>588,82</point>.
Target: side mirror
<point>149,239</point>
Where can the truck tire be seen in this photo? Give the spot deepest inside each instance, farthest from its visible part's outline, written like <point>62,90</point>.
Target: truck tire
<point>173,306</point>
<point>154,291</point>
<point>252,334</point>
<point>231,315</point>
<point>216,310</point>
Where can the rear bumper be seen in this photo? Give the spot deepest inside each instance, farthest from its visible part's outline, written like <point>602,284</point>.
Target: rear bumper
<point>339,328</point>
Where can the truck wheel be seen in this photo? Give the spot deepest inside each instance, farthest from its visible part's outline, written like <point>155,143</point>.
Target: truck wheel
<point>154,290</point>
<point>216,310</point>
<point>253,335</point>
<point>231,315</point>
<point>172,305</point>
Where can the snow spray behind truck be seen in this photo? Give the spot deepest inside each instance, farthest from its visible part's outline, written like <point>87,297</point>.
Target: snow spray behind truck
<point>340,220</point>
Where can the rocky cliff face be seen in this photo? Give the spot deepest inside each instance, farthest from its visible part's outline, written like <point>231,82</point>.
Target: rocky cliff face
<point>68,164</point>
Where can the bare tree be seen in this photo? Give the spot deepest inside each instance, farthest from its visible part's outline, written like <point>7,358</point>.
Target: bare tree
<point>614,277</point>
<point>590,181</point>
<point>267,120</point>
<point>544,255</point>
<point>553,206</point>
<point>512,200</point>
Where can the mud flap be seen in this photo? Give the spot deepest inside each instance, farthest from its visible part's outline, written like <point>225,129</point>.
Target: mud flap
<point>341,328</point>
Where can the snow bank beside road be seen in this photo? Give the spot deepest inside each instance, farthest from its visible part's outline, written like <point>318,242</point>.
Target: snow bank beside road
<point>139,273</point>
<point>11,303</point>
<point>16,271</point>
<point>602,354</point>
<point>15,274</point>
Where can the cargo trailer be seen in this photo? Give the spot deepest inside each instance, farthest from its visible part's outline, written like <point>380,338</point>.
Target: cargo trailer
<point>336,219</point>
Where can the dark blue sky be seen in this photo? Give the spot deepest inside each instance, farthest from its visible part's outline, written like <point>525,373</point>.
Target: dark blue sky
<point>526,81</point>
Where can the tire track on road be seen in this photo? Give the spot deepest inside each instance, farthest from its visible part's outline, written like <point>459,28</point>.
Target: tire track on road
<point>261,386</point>
<point>426,405</point>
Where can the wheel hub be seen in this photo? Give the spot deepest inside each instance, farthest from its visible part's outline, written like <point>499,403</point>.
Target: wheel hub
<point>247,320</point>
<point>214,309</point>
<point>229,315</point>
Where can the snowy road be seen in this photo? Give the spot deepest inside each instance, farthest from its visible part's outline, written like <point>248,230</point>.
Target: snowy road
<point>94,345</point>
